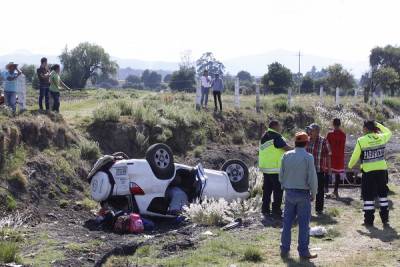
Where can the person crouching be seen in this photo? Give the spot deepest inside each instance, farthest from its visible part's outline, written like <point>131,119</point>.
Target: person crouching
<point>299,181</point>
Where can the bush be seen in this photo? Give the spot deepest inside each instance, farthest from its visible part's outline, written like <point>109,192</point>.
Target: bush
<point>256,180</point>
<point>89,150</point>
<point>126,108</point>
<point>238,137</point>
<point>107,113</point>
<point>281,106</point>
<point>219,212</point>
<point>8,252</point>
<point>252,254</point>
<point>198,151</point>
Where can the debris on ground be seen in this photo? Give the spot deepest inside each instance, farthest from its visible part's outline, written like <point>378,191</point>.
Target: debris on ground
<point>318,231</point>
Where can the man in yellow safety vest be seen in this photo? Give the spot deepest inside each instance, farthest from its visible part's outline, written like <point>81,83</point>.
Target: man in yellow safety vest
<point>370,149</point>
<point>272,147</point>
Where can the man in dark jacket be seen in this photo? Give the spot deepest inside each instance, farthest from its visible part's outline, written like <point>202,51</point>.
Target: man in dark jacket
<point>43,74</point>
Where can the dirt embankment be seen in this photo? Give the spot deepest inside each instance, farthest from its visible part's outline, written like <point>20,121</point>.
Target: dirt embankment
<point>39,162</point>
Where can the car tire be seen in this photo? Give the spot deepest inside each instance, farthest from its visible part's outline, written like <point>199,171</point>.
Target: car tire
<point>238,174</point>
<point>161,161</point>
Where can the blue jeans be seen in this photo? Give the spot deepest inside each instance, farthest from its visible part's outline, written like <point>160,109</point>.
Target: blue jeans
<point>56,101</point>
<point>44,93</point>
<point>11,100</point>
<point>297,203</point>
<point>204,95</point>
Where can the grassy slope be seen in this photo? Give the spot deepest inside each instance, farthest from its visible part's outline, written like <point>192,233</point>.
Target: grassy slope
<point>353,246</point>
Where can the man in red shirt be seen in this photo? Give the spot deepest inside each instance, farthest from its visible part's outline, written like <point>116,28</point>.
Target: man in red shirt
<point>337,143</point>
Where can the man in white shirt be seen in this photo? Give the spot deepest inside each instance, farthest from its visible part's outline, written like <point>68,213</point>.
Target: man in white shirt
<point>205,88</point>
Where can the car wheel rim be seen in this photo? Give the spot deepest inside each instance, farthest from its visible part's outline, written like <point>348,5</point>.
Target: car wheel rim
<point>235,172</point>
<point>161,158</point>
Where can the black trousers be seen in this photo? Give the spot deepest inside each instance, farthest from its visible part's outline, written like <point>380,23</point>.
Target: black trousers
<point>319,199</point>
<point>374,184</point>
<point>217,95</point>
<point>272,185</point>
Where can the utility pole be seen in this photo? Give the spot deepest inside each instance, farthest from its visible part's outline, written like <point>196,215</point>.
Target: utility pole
<point>299,62</point>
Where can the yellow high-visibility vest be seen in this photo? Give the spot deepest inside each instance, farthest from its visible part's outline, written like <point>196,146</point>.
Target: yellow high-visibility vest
<point>270,157</point>
<point>370,150</point>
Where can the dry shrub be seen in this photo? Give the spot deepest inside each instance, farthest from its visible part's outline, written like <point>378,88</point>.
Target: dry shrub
<point>220,212</point>
<point>18,180</point>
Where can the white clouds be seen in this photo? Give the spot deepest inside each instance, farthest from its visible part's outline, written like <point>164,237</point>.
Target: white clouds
<point>161,29</point>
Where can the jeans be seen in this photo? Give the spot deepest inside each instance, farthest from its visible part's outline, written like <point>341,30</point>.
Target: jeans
<point>204,96</point>
<point>11,100</point>
<point>44,93</point>
<point>297,203</point>
<point>272,184</point>
<point>56,101</point>
<point>178,198</point>
<point>319,200</point>
<point>217,95</point>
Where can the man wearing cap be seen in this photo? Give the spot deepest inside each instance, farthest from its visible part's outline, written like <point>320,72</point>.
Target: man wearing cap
<point>319,148</point>
<point>299,180</point>
<point>272,147</point>
<point>370,150</point>
<point>10,85</point>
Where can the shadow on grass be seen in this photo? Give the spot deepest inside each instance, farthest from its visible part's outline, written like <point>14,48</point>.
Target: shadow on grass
<point>324,219</point>
<point>290,262</point>
<point>387,234</point>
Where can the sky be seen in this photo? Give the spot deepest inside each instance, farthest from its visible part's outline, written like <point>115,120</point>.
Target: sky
<point>162,29</point>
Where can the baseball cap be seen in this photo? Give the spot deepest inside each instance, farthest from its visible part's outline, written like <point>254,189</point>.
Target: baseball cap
<point>314,126</point>
<point>301,137</point>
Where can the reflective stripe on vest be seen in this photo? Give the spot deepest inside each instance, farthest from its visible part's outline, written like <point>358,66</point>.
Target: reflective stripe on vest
<point>372,153</point>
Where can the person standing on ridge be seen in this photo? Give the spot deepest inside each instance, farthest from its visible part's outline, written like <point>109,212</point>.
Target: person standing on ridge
<point>43,74</point>
<point>272,147</point>
<point>217,87</point>
<point>370,150</point>
<point>205,82</point>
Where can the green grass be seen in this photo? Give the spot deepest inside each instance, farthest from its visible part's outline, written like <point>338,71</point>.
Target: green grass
<point>89,150</point>
<point>252,254</point>
<point>11,203</point>
<point>9,252</point>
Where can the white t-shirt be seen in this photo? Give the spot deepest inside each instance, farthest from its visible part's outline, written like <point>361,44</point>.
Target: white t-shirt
<point>205,81</point>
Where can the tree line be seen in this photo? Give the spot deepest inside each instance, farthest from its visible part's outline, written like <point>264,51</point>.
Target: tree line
<point>91,62</point>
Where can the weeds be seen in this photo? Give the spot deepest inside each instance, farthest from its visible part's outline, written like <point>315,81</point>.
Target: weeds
<point>89,150</point>
<point>11,203</point>
<point>18,179</point>
<point>256,180</point>
<point>8,252</point>
<point>252,254</point>
<point>107,113</point>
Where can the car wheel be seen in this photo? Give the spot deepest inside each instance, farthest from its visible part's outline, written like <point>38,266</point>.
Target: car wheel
<point>161,161</point>
<point>238,174</point>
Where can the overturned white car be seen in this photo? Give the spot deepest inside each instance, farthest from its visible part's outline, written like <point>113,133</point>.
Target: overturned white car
<point>148,186</point>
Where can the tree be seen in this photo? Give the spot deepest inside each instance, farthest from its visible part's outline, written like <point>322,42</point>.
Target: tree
<point>388,56</point>
<point>167,78</point>
<point>387,78</point>
<point>133,79</point>
<point>307,85</point>
<point>339,77</point>
<point>183,80</point>
<point>29,71</point>
<point>244,76</point>
<point>85,61</point>
<point>278,78</point>
<point>151,79</point>
<point>316,74</point>
<point>208,62</point>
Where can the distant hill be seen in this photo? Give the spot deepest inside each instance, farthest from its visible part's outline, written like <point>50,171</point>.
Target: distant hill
<point>255,64</point>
